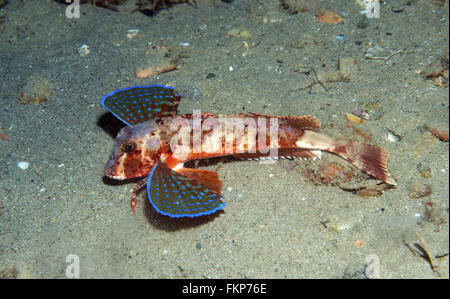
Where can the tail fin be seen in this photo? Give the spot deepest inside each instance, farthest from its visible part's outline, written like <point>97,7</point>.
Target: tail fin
<point>369,158</point>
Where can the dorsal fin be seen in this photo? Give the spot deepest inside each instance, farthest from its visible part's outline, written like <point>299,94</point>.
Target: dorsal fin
<point>306,122</point>
<point>139,104</point>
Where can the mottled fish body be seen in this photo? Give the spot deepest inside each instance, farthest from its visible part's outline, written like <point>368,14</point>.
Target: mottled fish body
<point>157,142</point>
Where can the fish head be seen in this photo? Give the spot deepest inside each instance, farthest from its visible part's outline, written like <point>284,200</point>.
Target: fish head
<point>135,151</point>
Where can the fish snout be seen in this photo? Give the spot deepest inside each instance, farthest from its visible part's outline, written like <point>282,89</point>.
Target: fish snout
<point>111,170</point>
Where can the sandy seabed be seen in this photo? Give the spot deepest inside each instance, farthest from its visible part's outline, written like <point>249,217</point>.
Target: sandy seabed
<point>234,57</point>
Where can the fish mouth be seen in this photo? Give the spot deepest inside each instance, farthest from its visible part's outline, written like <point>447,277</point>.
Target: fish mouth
<point>111,169</point>
<point>114,177</point>
<point>110,173</point>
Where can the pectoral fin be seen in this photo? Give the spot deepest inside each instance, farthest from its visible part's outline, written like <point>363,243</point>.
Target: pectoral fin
<point>180,194</point>
<point>139,104</point>
<point>207,178</point>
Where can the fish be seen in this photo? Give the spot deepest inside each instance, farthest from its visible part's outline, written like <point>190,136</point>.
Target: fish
<point>156,143</point>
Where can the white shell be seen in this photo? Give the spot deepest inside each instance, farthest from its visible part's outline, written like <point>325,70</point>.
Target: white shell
<point>23,165</point>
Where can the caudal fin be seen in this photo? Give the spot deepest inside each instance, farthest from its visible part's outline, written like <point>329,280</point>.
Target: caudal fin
<point>369,158</point>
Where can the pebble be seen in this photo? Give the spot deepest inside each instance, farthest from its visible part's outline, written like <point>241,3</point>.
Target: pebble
<point>205,234</point>
<point>391,137</point>
<point>23,165</point>
<point>238,32</point>
<point>363,23</point>
<point>83,50</point>
<point>133,33</point>
<point>339,226</point>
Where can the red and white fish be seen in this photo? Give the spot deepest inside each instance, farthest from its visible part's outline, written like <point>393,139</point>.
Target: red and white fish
<point>157,142</point>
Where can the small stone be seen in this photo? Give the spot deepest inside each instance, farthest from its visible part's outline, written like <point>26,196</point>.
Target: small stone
<point>205,234</point>
<point>239,32</point>
<point>328,16</point>
<point>198,246</point>
<point>83,50</point>
<point>23,165</point>
<point>210,76</point>
<point>339,226</point>
<point>363,23</point>
<point>392,137</point>
<point>354,119</point>
<point>133,33</point>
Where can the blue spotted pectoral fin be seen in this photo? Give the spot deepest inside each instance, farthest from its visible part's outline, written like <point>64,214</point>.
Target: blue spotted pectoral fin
<point>175,195</point>
<point>139,104</point>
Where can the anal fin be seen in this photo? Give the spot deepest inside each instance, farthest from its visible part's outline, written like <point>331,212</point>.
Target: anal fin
<point>282,153</point>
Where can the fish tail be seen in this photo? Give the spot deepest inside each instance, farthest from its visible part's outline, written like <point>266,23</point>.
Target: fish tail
<point>369,158</point>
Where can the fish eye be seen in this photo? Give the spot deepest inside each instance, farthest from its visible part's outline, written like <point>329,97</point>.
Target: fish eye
<point>128,147</point>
